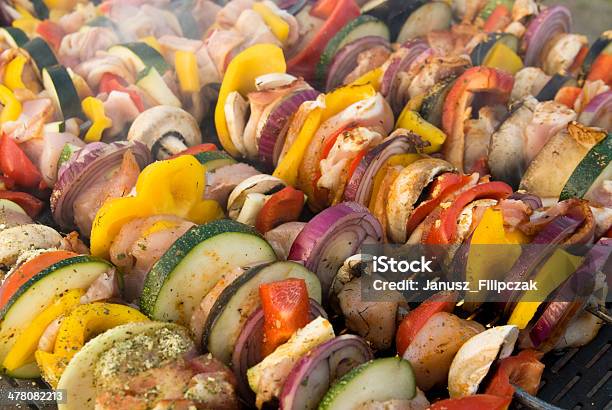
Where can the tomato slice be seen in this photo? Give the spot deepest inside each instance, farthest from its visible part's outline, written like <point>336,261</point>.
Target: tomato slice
<point>16,165</point>
<point>51,32</point>
<point>26,271</point>
<point>111,82</point>
<point>416,318</point>
<point>286,309</point>
<point>445,231</point>
<point>475,402</point>
<point>304,63</point>
<point>524,370</point>
<point>196,150</point>
<point>442,188</point>
<point>29,203</point>
<point>283,206</point>
<point>602,69</point>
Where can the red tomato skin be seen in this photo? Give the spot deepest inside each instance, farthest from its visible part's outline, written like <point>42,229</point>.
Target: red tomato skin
<point>524,370</point>
<point>30,204</point>
<point>16,165</point>
<point>111,82</point>
<point>51,32</point>
<point>286,309</point>
<point>416,318</point>
<point>283,206</point>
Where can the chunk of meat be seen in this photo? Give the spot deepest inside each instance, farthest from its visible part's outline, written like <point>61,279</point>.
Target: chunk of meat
<point>30,124</point>
<point>435,345</point>
<point>477,137</point>
<point>436,69</point>
<point>53,144</point>
<point>528,81</point>
<point>83,45</point>
<point>281,238</point>
<point>549,117</point>
<point>93,69</point>
<point>221,183</point>
<point>229,14</point>
<point>140,243</point>
<point>220,44</point>
<point>367,61</point>
<point>121,109</point>
<point>116,185</point>
<point>149,21</point>
<point>105,287</point>
<point>254,29</point>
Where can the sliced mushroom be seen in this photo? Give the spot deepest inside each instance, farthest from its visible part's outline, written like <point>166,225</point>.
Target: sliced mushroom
<point>262,184</point>
<point>19,239</point>
<point>236,114</point>
<point>165,130</point>
<point>406,190</point>
<point>253,203</point>
<point>474,359</point>
<point>273,80</point>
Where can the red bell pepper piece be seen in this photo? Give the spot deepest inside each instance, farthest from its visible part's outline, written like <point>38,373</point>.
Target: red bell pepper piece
<point>602,69</point>
<point>442,188</point>
<point>111,82</point>
<point>286,309</point>
<point>498,20</point>
<point>29,203</point>
<point>284,206</point>
<point>6,183</point>
<point>475,402</point>
<point>524,370</point>
<point>444,232</point>
<point>416,319</point>
<point>16,165</point>
<point>51,32</point>
<point>304,63</point>
<point>323,9</point>
<point>568,96</point>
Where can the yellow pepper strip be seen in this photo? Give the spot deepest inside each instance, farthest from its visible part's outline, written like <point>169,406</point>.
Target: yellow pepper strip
<point>171,187</point>
<point>553,273</point>
<point>278,26</point>
<point>413,122</point>
<point>400,159</point>
<point>504,58</point>
<point>333,103</point>
<point>14,71</point>
<point>27,25</point>
<point>55,14</point>
<point>415,102</point>
<point>493,251</point>
<point>23,350</point>
<point>61,4</point>
<point>83,323</point>
<point>240,76</point>
<point>152,42</point>
<point>94,110</point>
<point>187,71</point>
<point>12,107</point>
<point>372,78</point>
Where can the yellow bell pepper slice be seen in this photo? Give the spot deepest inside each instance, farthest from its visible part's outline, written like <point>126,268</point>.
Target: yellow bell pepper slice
<point>400,159</point>
<point>23,350</point>
<point>373,78</point>
<point>187,71</point>
<point>27,25</point>
<point>12,107</point>
<point>504,58</point>
<point>14,72</point>
<point>492,253</point>
<point>94,110</point>
<point>152,42</point>
<point>278,26</point>
<point>413,122</point>
<point>333,103</point>
<point>171,187</point>
<point>83,323</point>
<point>553,273</point>
<point>240,76</point>
<point>415,102</point>
<point>61,4</point>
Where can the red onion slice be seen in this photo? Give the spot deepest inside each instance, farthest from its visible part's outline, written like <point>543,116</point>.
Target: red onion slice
<point>598,112</point>
<point>532,256</point>
<point>359,187</point>
<point>532,201</point>
<point>332,236</point>
<point>550,22</point>
<point>345,59</point>
<point>571,297</point>
<point>275,129</point>
<point>313,375</point>
<point>88,164</point>
<point>247,352</point>
<point>402,60</point>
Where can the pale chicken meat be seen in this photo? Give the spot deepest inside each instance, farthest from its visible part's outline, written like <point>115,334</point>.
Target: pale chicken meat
<point>254,30</point>
<point>281,238</point>
<point>221,183</point>
<point>150,21</point>
<point>528,81</point>
<point>229,14</point>
<point>103,62</point>
<point>53,144</point>
<point>205,13</point>
<point>435,69</point>
<point>105,287</point>
<point>477,137</point>
<point>118,184</point>
<point>563,52</point>
<point>121,109</point>
<point>34,115</point>
<point>432,350</point>
<point>140,243</point>
<point>83,45</point>
<point>367,61</point>
<point>220,44</point>
<point>75,20</point>
<point>549,117</point>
